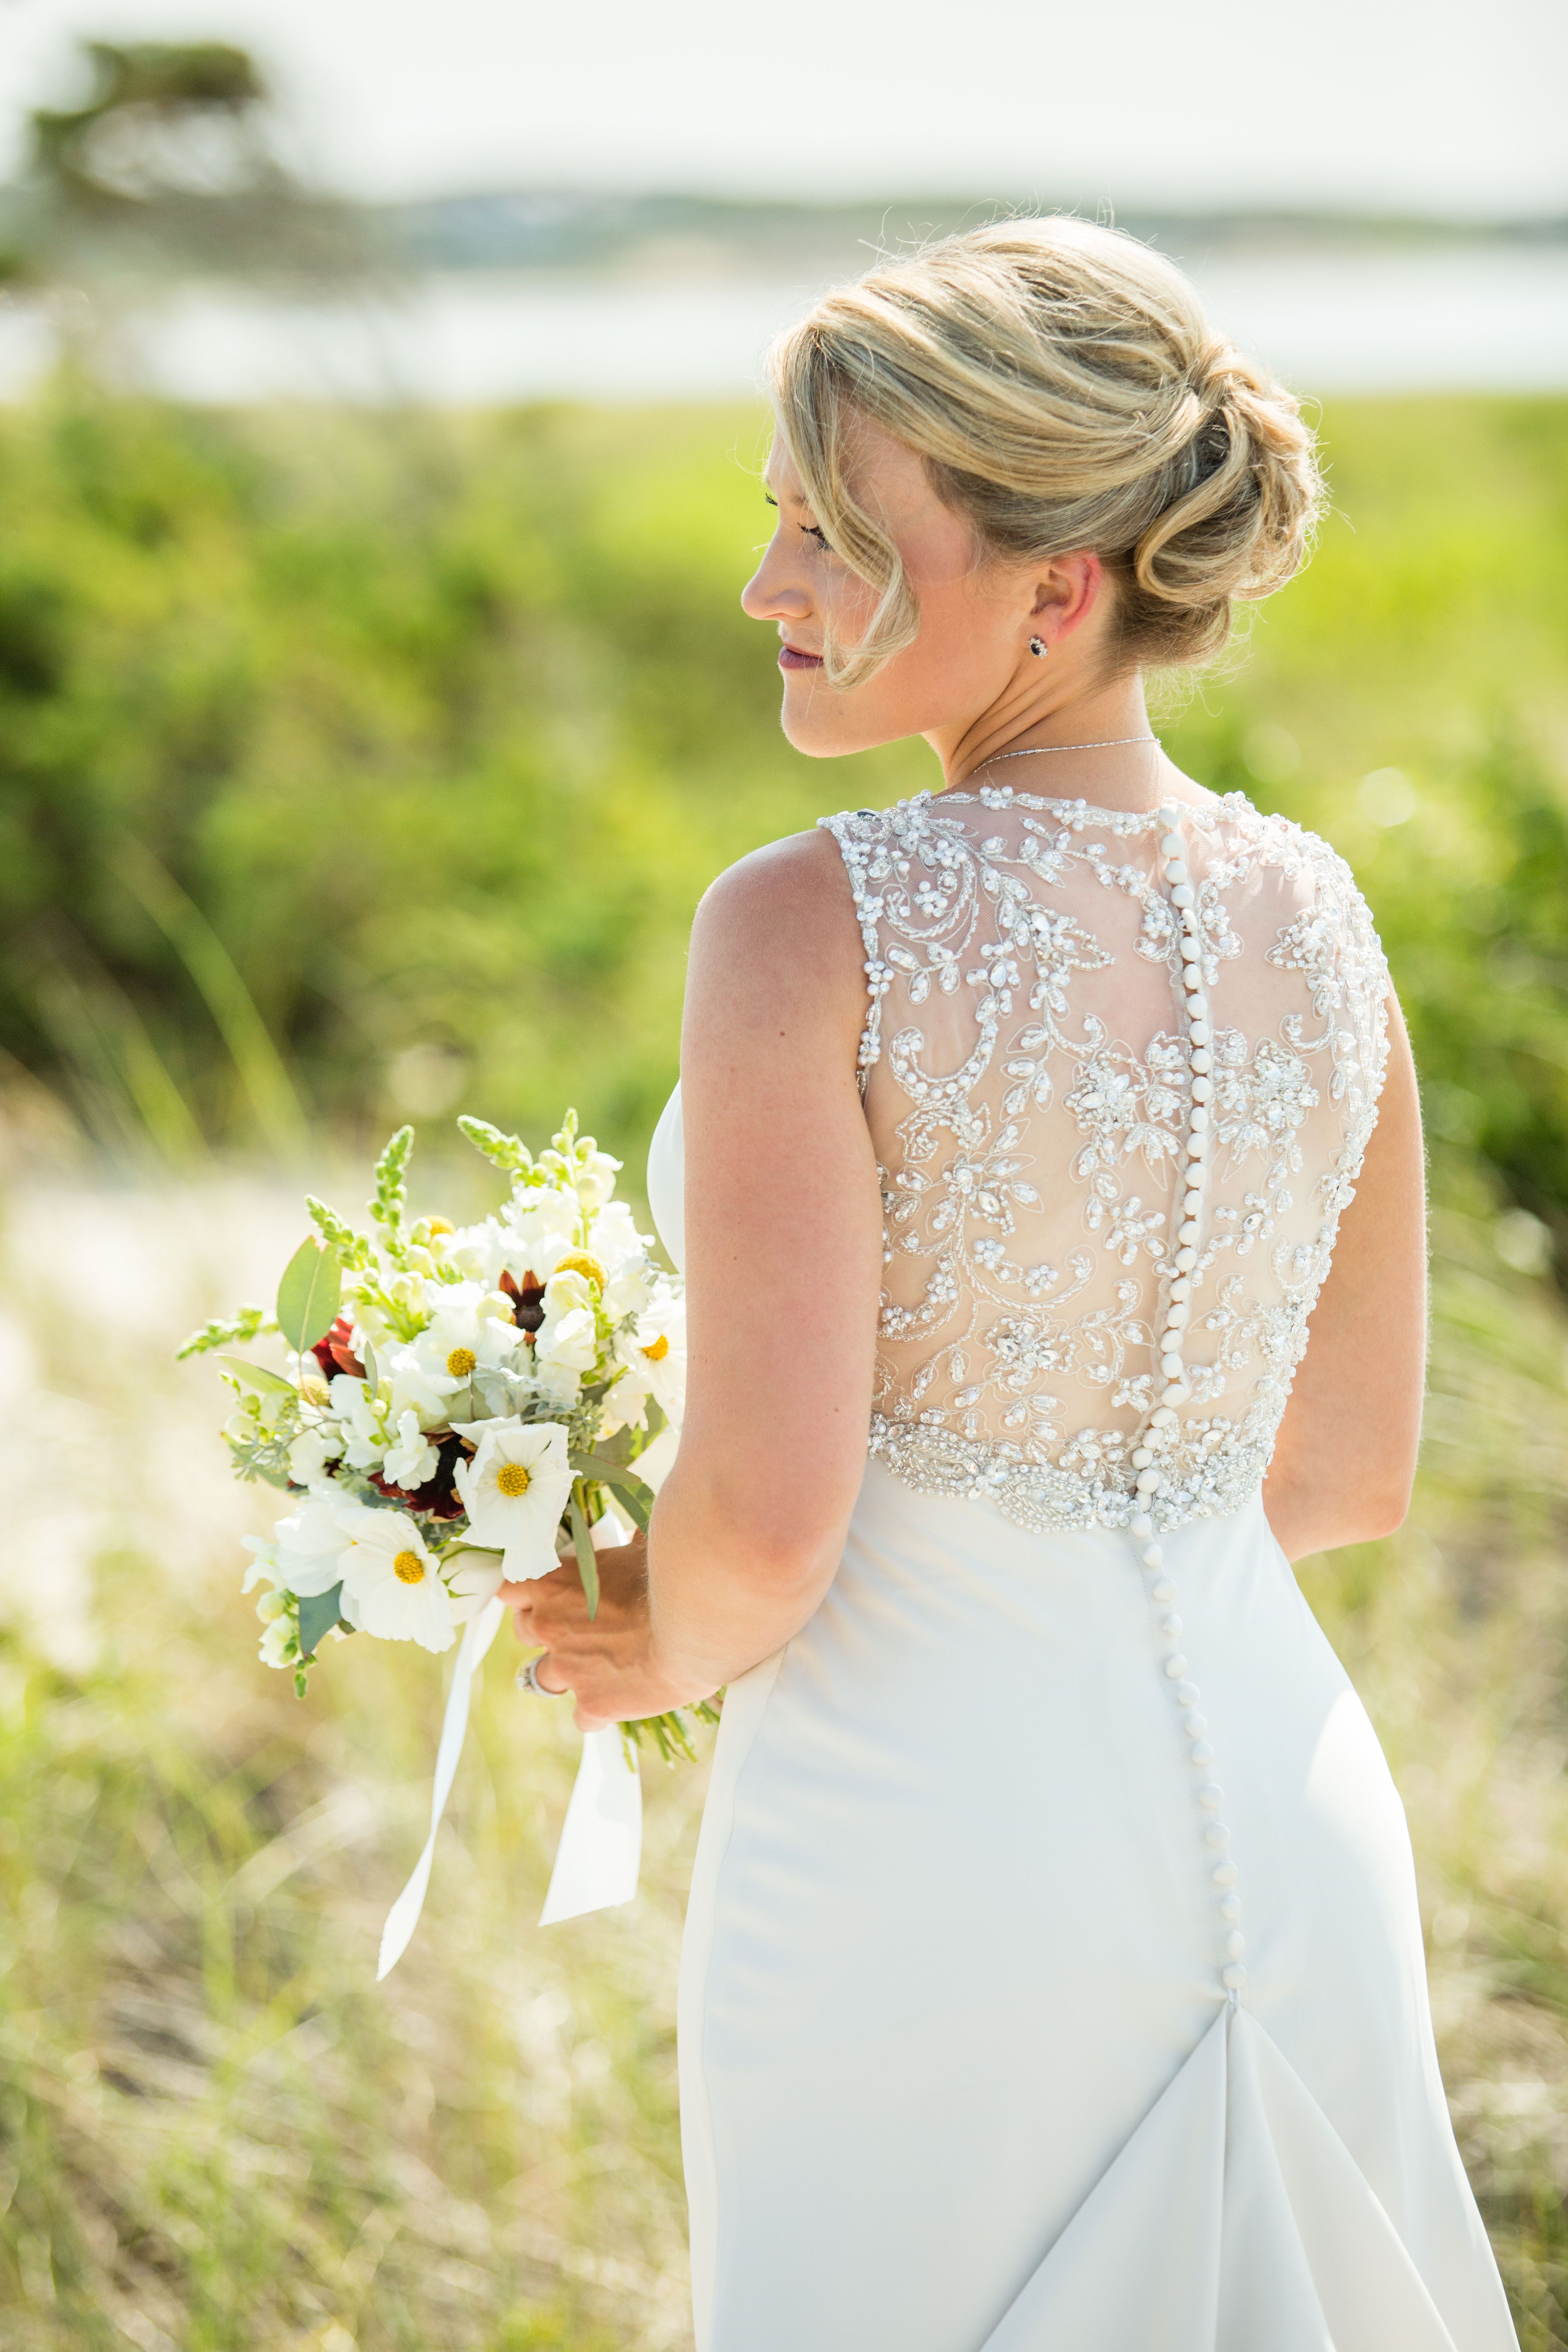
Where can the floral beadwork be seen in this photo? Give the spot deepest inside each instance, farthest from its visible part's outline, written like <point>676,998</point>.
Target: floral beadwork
<point>1121,1070</point>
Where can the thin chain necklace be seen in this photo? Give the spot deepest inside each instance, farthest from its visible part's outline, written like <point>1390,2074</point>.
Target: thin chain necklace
<point>1107,743</point>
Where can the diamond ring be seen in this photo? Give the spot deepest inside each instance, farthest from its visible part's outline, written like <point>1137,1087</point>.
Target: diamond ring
<point>527,1680</point>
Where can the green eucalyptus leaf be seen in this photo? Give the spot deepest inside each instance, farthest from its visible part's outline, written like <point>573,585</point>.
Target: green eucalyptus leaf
<point>319,1612</point>
<point>309,1295</point>
<point>257,1376</point>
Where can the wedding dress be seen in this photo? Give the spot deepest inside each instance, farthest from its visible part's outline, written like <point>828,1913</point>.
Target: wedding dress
<point>1053,1977</point>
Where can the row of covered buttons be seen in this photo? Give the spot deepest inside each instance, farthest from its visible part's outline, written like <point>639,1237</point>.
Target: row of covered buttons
<point>1163,1420</point>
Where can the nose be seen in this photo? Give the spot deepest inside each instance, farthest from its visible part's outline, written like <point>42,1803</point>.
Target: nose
<point>771,593</point>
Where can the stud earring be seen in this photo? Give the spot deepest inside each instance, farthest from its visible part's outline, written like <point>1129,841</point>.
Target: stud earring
<point>1039,647</point>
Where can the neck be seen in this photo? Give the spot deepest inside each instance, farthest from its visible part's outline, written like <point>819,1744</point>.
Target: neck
<point>1049,716</point>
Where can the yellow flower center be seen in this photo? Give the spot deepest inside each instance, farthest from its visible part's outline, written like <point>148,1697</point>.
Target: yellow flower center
<point>408,1568</point>
<point>657,1352</point>
<point>512,1479</point>
<point>579,1262</point>
<point>440,1225</point>
<point>462,1363</point>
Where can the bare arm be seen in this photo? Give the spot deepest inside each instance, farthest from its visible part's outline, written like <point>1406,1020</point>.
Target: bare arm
<point>1345,1459</point>
<point>783,1245</point>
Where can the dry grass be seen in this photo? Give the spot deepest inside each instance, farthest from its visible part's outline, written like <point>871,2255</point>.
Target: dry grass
<point>216,2131</point>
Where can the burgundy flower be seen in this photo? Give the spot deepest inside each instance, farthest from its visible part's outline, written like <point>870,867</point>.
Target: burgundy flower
<point>528,1300</point>
<point>439,1496</point>
<point>334,1353</point>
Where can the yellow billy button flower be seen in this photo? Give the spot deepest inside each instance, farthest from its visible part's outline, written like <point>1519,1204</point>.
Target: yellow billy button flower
<point>582,1262</point>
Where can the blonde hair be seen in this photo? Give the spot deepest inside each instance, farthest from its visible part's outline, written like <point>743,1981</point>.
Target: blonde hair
<point>1066,393</point>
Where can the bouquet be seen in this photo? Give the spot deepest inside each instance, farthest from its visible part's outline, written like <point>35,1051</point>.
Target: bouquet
<point>457,1407</point>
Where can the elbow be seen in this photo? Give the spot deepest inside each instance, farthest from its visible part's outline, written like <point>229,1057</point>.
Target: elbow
<point>1385,1514</point>
<point>783,1565</point>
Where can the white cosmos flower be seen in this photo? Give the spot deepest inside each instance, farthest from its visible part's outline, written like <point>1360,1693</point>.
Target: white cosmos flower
<point>471,1580</point>
<point>515,1489</point>
<point>392,1586</point>
<point>471,1330</point>
<point>411,1459</point>
<point>301,1555</point>
<point>654,1354</point>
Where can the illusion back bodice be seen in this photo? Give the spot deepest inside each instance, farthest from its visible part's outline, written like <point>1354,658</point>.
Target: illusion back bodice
<point>1120,1071</point>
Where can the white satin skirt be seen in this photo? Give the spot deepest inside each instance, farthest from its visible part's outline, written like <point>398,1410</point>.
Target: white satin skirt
<point>961,2071</point>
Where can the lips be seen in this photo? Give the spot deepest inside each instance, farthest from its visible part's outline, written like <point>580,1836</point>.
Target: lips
<point>791,658</point>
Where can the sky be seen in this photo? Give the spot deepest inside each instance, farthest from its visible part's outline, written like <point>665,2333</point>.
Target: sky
<point>1448,106</point>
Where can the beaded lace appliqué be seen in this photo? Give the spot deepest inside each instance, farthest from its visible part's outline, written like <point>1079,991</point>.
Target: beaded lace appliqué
<point>1102,1255</point>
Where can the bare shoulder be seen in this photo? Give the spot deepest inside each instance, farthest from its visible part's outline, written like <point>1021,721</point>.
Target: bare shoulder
<point>776,935</point>
<point>792,891</point>
<point>784,907</point>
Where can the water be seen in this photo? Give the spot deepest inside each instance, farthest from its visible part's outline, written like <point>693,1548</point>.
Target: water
<point>1464,318</point>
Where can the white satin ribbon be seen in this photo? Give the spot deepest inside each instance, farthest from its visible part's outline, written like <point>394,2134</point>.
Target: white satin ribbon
<point>404,1916</point>
<point>600,1853</point>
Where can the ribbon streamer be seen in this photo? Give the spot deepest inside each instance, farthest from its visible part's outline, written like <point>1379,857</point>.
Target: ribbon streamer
<point>600,1853</point>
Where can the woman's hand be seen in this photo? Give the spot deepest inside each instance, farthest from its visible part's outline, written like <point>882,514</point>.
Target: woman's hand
<point>606,1661</point>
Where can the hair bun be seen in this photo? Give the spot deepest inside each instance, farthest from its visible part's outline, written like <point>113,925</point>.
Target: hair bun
<point>1067,391</point>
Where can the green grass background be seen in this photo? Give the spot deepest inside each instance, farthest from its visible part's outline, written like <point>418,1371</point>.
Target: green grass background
<point>355,766</point>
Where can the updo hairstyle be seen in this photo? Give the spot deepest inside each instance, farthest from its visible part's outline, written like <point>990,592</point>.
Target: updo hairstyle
<point>1066,393</point>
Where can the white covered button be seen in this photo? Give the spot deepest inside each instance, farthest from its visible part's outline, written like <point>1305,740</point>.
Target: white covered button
<point>1230,1908</point>
<point>1188,1695</point>
<point>1163,1590</point>
<point>1211,1797</point>
<point>1197,1726</point>
<point>1224,1873</point>
<point>1176,1667</point>
<point>1170,1626</point>
<point>1140,1524</point>
<point>1202,1753</point>
<point>1199,1033</point>
<point>1236,1944</point>
<point>1234,1978</point>
<point>1154,1557</point>
<point>1217,1835</point>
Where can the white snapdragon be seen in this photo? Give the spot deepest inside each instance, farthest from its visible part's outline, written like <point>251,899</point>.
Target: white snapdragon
<point>411,1459</point>
<point>391,1585</point>
<point>515,1489</point>
<point>361,1414</point>
<point>316,1445</point>
<point>567,1342</point>
<point>622,1250</point>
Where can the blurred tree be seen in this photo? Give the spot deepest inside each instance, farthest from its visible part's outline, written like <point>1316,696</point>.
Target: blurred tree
<point>170,162</point>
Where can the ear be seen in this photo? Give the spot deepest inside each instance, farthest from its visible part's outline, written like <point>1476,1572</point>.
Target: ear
<point>1066,593</point>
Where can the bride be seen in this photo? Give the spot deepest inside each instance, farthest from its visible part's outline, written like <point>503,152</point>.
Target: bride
<point>1052,1221</point>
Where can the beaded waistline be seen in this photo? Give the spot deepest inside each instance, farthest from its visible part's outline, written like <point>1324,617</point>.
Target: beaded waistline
<point>1196,1481</point>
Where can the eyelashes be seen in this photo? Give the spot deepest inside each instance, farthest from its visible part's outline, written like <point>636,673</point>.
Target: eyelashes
<point>808,529</point>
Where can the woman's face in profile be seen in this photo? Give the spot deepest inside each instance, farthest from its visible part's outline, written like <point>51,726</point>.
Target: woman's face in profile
<point>976,620</point>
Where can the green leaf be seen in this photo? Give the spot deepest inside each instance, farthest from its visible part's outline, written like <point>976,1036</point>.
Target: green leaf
<point>637,1497</point>
<point>309,1295</point>
<point>257,1376</point>
<point>319,1612</point>
<point>587,1565</point>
